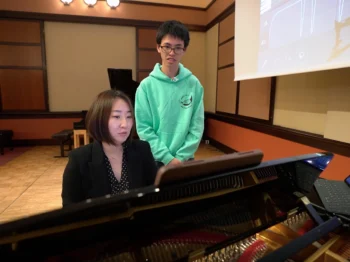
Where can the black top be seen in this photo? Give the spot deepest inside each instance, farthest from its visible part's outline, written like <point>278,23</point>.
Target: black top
<point>123,184</point>
<point>86,174</point>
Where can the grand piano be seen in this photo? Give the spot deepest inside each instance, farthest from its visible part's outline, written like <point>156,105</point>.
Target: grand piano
<point>119,79</point>
<point>257,211</point>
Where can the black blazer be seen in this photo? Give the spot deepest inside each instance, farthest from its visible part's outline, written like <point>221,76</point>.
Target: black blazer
<point>85,175</point>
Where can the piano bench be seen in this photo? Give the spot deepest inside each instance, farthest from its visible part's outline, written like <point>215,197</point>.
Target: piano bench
<point>63,137</point>
<point>5,140</point>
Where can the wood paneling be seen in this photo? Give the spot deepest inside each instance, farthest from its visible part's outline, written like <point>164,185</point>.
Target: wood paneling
<point>146,38</point>
<point>226,54</point>
<point>217,10</point>
<point>226,91</point>
<point>23,78</point>
<point>19,31</point>
<point>226,94</point>
<point>254,98</point>
<point>12,55</point>
<point>22,89</point>
<point>227,28</point>
<point>147,55</point>
<point>142,75</point>
<point>147,59</point>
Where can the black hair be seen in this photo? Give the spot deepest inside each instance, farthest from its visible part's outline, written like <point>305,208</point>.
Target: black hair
<point>175,29</point>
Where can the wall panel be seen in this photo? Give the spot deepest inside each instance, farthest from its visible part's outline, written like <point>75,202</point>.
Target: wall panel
<point>147,59</point>
<point>16,31</point>
<point>227,28</point>
<point>146,49</point>
<point>194,62</point>
<point>77,66</point>
<point>211,65</point>
<point>29,56</point>
<point>141,75</point>
<point>226,93</point>
<point>254,98</point>
<point>23,80</point>
<point>227,90</point>
<point>146,38</point>
<point>226,54</point>
<point>22,89</point>
<point>248,98</point>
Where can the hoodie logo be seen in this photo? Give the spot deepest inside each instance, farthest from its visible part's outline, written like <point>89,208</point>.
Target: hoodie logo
<point>186,101</point>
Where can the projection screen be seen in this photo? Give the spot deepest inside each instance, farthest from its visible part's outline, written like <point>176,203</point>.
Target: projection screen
<point>280,37</point>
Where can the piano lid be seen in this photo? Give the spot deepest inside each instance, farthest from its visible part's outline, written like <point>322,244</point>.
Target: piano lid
<point>81,124</point>
<point>290,175</point>
<point>121,79</point>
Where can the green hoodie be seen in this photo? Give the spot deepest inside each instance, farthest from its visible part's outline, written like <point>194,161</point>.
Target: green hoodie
<point>170,114</point>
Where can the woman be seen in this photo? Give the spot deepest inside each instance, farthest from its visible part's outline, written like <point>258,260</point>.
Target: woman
<point>114,162</point>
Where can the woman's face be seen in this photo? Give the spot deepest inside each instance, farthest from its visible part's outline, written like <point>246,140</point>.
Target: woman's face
<point>120,121</point>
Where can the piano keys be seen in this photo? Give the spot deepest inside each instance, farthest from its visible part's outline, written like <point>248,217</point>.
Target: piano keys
<point>257,212</point>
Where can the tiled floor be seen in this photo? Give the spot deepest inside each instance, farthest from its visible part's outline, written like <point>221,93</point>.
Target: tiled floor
<point>31,183</point>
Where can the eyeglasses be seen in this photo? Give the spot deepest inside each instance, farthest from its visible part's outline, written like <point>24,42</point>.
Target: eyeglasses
<point>177,50</point>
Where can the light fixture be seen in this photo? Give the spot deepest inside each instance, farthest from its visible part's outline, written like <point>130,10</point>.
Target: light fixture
<point>66,2</point>
<point>90,3</point>
<point>113,3</point>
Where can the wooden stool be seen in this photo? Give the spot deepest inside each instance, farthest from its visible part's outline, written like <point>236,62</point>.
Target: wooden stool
<point>77,134</point>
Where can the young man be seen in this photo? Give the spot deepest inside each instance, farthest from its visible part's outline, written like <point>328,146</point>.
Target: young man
<point>169,102</point>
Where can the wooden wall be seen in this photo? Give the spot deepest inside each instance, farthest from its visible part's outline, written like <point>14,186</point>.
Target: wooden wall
<point>250,98</point>
<point>226,95</point>
<point>23,85</point>
<point>146,53</point>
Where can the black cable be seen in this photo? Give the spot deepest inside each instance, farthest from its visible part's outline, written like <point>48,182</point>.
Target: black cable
<point>331,213</point>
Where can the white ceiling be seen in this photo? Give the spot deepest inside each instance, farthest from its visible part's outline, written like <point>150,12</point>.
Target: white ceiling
<point>192,3</point>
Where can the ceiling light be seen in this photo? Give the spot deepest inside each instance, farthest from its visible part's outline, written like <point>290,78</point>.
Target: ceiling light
<point>90,3</point>
<point>113,3</point>
<point>66,2</point>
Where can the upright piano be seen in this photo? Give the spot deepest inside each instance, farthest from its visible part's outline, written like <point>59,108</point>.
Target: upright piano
<point>249,213</point>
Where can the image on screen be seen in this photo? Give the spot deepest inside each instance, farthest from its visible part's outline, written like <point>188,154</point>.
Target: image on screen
<point>303,34</point>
